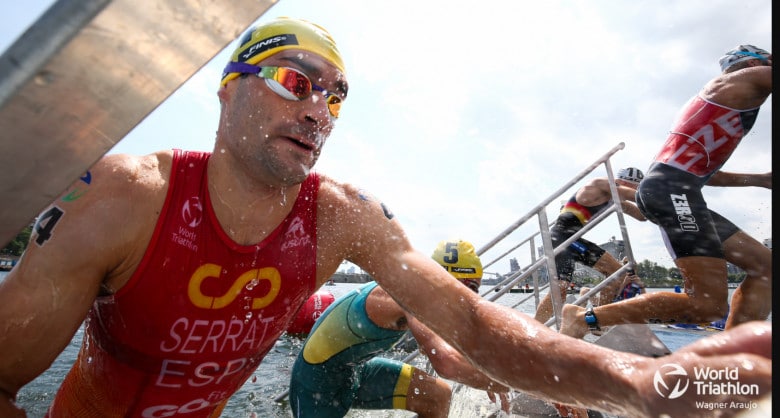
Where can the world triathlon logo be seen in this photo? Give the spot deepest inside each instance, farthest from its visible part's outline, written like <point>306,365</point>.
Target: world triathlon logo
<point>671,381</point>
<point>192,212</point>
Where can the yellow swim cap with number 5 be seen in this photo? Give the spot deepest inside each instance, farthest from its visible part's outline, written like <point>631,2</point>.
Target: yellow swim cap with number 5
<point>459,258</point>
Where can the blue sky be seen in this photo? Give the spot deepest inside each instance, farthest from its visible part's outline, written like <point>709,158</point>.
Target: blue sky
<point>463,116</point>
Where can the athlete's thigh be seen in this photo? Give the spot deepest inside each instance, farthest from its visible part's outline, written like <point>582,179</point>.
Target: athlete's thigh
<point>747,253</point>
<point>381,381</point>
<point>674,202</point>
<point>317,390</point>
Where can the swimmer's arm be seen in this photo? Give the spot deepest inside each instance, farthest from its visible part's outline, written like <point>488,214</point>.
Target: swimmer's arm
<point>448,362</point>
<point>45,298</point>
<point>509,346</point>
<point>8,406</point>
<point>730,179</point>
<point>627,199</point>
<point>630,209</point>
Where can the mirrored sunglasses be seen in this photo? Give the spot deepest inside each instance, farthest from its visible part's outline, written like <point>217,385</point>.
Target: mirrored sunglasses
<point>292,81</point>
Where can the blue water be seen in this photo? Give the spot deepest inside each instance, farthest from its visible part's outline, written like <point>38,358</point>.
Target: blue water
<point>257,396</point>
<point>674,339</point>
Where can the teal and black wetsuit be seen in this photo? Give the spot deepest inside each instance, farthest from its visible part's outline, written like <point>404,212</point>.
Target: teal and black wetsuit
<point>337,369</point>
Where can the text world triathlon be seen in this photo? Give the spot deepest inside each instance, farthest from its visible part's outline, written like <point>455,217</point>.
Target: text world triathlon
<point>721,382</point>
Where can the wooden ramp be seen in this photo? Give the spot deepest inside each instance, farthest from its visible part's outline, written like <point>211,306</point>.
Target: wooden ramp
<point>85,74</point>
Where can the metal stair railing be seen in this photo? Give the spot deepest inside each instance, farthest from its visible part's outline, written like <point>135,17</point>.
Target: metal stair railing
<point>548,252</point>
<point>548,257</point>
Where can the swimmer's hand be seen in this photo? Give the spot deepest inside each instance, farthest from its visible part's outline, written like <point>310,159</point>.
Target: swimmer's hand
<point>570,411</point>
<point>500,398</point>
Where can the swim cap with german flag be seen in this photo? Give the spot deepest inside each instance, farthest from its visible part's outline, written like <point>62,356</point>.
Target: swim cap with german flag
<point>280,34</point>
<point>459,258</point>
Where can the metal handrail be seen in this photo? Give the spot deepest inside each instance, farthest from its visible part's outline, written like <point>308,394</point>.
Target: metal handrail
<point>548,252</point>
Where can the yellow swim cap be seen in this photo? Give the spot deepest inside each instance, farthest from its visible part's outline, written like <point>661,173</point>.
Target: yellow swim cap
<point>260,42</point>
<point>459,258</point>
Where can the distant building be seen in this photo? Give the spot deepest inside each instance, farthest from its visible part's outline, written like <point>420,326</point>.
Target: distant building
<point>340,277</point>
<point>513,265</point>
<point>615,247</point>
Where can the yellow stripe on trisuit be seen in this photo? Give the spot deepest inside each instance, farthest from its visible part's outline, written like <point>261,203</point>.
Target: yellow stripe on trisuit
<point>332,337</point>
<point>402,387</point>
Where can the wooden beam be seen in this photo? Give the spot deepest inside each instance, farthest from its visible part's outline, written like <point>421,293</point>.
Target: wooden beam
<point>85,74</point>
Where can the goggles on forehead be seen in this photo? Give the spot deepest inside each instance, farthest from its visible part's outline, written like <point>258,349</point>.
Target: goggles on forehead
<point>287,82</point>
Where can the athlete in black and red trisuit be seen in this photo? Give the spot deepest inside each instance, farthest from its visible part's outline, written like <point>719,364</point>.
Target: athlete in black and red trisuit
<point>705,134</point>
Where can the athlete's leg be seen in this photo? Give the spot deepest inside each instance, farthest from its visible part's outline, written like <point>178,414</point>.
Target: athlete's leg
<point>564,265</point>
<point>606,265</point>
<point>752,300</point>
<point>391,384</point>
<point>545,309</point>
<point>705,300</point>
<point>428,396</point>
